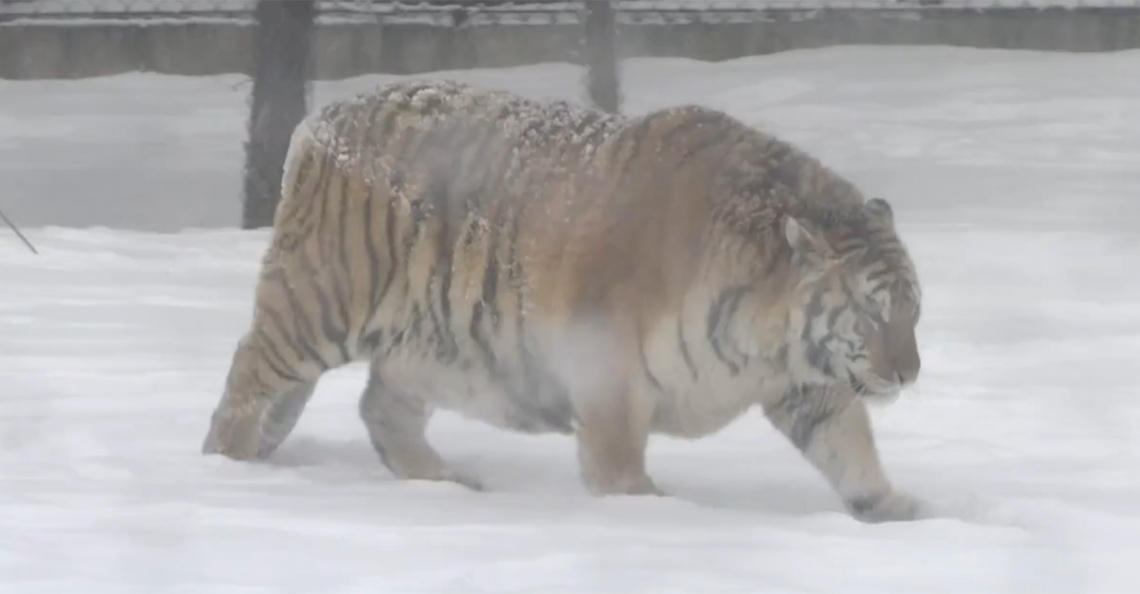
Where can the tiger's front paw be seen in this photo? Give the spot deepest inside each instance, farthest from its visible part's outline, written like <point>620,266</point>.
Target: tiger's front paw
<point>640,485</point>
<point>892,507</point>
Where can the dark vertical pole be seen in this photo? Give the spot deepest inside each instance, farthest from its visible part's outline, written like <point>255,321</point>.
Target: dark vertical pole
<point>600,52</point>
<point>283,38</point>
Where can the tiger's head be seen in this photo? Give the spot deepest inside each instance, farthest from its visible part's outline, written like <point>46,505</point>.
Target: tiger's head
<point>856,301</point>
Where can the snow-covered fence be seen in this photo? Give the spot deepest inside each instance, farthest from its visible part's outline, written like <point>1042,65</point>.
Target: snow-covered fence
<point>77,38</point>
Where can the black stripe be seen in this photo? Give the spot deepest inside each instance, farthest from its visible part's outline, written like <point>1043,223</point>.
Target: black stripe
<point>817,353</point>
<point>282,330</point>
<point>632,138</point>
<point>786,162</point>
<point>301,209</point>
<point>471,229</point>
<point>644,360</point>
<point>396,341</point>
<point>782,356</point>
<point>813,310</point>
<point>273,359</point>
<point>514,273</point>
<point>304,164</point>
<point>491,282</point>
<point>487,354</point>
<point>833,316</point>
<point>306,335</point>
<point>591,127</point>
<point>277,276</point>
<point>372,340</point>
<point>446,348</point>
<point>536,125</point>
<point>682,344</point>
<point>878,274</point>
<point>415,327</point>
<point>365,148</point>
<point>321,199</point>
<point>411,237</point>
<point>781,255</point>
<point>373,258</point>
<point>270,348</point>
<point>803,409</point>
<point>324,276</point>
<point>329,331</point>
<point>390,241</point>
<point>344,300</point>
<point>848,292</point>
<point>722,312</point>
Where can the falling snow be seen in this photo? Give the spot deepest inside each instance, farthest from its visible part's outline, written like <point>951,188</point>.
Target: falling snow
<point>1013,177</point>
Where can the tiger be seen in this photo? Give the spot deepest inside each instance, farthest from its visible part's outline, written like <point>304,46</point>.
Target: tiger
<point>548,268</point>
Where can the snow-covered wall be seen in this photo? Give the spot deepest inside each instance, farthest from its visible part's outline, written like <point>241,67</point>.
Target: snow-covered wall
<point>36,43</point>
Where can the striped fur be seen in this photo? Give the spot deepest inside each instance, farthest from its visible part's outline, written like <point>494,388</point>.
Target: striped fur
<point>548,268</point>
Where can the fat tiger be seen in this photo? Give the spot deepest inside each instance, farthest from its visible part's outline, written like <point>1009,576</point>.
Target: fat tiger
<point>548,268</point>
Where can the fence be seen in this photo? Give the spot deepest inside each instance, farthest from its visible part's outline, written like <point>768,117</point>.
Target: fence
<point>79,38</point>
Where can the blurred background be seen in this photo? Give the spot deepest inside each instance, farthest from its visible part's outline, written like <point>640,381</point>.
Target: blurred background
<point>78,38</point>
<point>274,51</point>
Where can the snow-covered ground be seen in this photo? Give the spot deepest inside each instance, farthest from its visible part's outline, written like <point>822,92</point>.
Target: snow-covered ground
<point>1015,178</point>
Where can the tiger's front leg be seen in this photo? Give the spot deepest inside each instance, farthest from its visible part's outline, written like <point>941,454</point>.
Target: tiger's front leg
<point>613,412</point>
<point>832,429</point>
<point>613,432</point>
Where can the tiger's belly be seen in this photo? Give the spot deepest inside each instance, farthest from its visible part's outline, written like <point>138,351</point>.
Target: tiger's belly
<point>507,399</point>
<point>696,393</point>
<point>696,411</point>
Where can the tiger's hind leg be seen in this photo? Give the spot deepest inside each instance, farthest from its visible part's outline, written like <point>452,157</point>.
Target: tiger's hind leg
<point>313,294</point>
<point>276,365</point>
<point>264,396</point>
<point>282,416</point>
<point>397,420</point>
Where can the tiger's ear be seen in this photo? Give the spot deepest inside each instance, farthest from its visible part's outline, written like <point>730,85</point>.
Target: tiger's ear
<point>881,210</point>
<point>805,238</point>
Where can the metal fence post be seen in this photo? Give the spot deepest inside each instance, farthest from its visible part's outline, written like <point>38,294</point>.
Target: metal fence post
<point>282,62</point>
<point>600,52</point>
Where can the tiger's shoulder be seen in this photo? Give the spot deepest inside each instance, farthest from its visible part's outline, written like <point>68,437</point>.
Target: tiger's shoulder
<point>687,195</point>
<point>736,160</point>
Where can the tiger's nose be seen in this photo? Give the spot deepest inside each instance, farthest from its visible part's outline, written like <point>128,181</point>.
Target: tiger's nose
<point>907,373</point>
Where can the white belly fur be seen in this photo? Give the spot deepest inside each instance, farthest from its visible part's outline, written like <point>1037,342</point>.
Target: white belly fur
<point>688,404</point>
